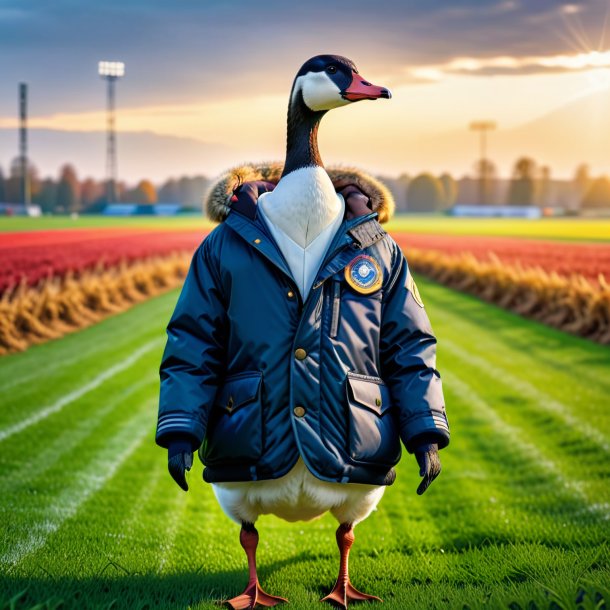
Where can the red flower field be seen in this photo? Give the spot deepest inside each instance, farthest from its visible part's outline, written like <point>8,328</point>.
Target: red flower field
<point>35,255</point>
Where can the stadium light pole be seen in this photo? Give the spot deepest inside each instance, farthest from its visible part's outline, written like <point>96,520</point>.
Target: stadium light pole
<point>111,71</point>
<point>23,146</point>
<point>482,127</point>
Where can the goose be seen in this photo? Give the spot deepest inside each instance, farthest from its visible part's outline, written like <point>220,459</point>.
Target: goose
<point>303,213</point>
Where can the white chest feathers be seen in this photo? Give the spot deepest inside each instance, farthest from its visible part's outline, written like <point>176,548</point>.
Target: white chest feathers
<point>303,204</point>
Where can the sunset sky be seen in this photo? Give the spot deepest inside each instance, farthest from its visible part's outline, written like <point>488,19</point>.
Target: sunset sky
<point>220,73</point>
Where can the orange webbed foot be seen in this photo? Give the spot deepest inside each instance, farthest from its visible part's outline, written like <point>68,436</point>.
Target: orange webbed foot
<point>345,592</point>
<point>254,596</point>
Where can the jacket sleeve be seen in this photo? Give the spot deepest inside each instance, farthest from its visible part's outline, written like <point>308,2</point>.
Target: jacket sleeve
<point>408,360</point>
<point>194,354</point>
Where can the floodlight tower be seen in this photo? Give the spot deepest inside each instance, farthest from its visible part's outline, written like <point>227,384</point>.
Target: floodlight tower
<point>23,145</point>
<point>483,127</point>
<point>111,71</point>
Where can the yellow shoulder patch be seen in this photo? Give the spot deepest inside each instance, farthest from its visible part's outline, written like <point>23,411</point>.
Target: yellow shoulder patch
<point>412,286</point>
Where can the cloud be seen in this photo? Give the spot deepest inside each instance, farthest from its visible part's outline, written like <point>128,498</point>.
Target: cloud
<point>506,64</point>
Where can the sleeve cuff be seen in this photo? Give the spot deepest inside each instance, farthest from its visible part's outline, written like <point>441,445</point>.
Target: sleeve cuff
<point>174,425</point>
<point>431,425</point>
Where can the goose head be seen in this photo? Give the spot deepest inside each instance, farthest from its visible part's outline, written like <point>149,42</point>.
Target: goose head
<point>325,82</point>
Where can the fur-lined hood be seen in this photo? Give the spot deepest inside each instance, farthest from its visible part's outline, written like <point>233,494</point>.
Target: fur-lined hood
<point>218,204</point>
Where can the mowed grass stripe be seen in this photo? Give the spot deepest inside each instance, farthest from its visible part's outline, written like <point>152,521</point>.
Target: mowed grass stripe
<point>40,488</point>
<point>491,490</point>
<point>530,394</point>
<point>566,371</point>
<point>26,401</point>
<point>553,440</point>
<point>80,391</point>
<point>98,344</point>
<point>510,442</point>
<point>126,520</point>
<point>559,430</point>
<point>85,483</point>
<point>19,472</point>
<point>74,468</point>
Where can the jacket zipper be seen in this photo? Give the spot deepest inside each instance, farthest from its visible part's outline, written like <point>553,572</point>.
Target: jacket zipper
<point>334,322</point>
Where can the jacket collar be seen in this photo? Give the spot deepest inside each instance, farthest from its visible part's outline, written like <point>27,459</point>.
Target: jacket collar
<point>251,228</point>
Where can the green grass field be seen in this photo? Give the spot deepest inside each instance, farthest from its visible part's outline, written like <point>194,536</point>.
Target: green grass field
<point>573,229</point>
<point>47,223</point>
<point>518,519</point>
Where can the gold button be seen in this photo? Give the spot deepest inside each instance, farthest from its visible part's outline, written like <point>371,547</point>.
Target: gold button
<point>300,354</point>
<point>257,241</point>
<point>299,411</point>
<point>378,401</point>
<point>290,294</point>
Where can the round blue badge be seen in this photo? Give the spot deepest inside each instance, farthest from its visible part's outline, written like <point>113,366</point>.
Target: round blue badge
<point>364,274</point>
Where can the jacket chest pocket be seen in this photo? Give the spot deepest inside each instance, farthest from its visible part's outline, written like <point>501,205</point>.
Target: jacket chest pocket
<point>343,301</point>
<point>373,433</point>
<point>235,431</point>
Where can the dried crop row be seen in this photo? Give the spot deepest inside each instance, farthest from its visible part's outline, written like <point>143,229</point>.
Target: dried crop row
<point>564,258</point>
<point>573,304</point>
<point>59,305</point>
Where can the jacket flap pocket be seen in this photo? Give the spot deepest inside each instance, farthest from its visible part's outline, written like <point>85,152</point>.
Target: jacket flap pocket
<point>369,392</point>
<point>239,390</point>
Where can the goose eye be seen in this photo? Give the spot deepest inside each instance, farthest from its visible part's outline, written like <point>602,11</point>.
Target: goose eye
<point>331,69</point>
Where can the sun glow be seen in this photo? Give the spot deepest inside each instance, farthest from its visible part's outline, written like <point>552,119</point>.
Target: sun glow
<point>600,79</point>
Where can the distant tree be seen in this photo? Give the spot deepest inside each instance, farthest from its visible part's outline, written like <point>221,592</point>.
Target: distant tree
<point>47,197</point>
<point>169,192</point>
<point>2,187</point>
<point>68,190</point>
<point>91,192</point>
<point>403,186</point>
<point>449,190</point>
<point>398,190</point>
<point>425,194</point>
<point>598,195</point>
<point>186,191</point>
<point>581,182</point>
<point>144,193</point>
<point>192,190</point>
<point>486,173</point>
<point>543,191</point>
<point>522,188</point>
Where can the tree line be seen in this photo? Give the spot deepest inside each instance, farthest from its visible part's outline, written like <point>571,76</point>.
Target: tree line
<point>529,184</point>
<point>68,194</point>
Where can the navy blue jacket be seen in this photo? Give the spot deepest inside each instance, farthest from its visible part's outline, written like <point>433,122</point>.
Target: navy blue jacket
<point>255,377</point>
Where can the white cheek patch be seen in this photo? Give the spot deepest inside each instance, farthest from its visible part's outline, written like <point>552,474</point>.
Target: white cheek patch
<point>319,91</point>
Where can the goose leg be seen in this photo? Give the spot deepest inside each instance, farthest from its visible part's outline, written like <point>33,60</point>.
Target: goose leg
<point>344,592</point>
<point>253,595</point>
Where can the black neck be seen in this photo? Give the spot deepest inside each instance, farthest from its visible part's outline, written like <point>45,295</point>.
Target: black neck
<point>302,139</point>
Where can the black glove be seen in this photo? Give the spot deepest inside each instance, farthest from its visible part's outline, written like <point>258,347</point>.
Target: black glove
<point>179,460</point>
<point>429,464</point>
